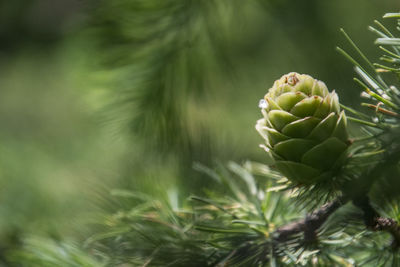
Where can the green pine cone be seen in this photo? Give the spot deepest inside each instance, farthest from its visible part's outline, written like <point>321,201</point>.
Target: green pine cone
<point>304,129</point>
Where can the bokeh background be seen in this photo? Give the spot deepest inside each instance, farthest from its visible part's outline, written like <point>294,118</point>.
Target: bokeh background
<point>132,94</point>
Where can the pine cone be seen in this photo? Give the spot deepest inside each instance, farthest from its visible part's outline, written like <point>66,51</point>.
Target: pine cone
<point>304,129</point>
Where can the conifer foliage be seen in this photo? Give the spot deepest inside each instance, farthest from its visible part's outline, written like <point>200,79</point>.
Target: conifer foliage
<point>260,215</point>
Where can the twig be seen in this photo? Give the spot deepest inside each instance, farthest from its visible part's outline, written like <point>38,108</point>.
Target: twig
<point>377,223</point>
<point>391,226</point>
<point>313,221</point>
<point>310,224</point>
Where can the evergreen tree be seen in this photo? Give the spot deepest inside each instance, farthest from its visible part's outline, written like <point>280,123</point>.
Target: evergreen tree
<point>326,199</point>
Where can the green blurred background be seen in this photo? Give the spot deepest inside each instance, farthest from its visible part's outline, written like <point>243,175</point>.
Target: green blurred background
<point>96,95</point>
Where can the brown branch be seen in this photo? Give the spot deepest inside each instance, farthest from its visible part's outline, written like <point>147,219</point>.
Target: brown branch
<point>313,221</point>
<point>310,224</point>
<point>377,223</point>
<point>391,226</point>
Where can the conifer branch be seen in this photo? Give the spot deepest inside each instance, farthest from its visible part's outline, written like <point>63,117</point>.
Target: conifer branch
<point>391,226</point>
<point>310,224</point>
<point>375,222</point>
